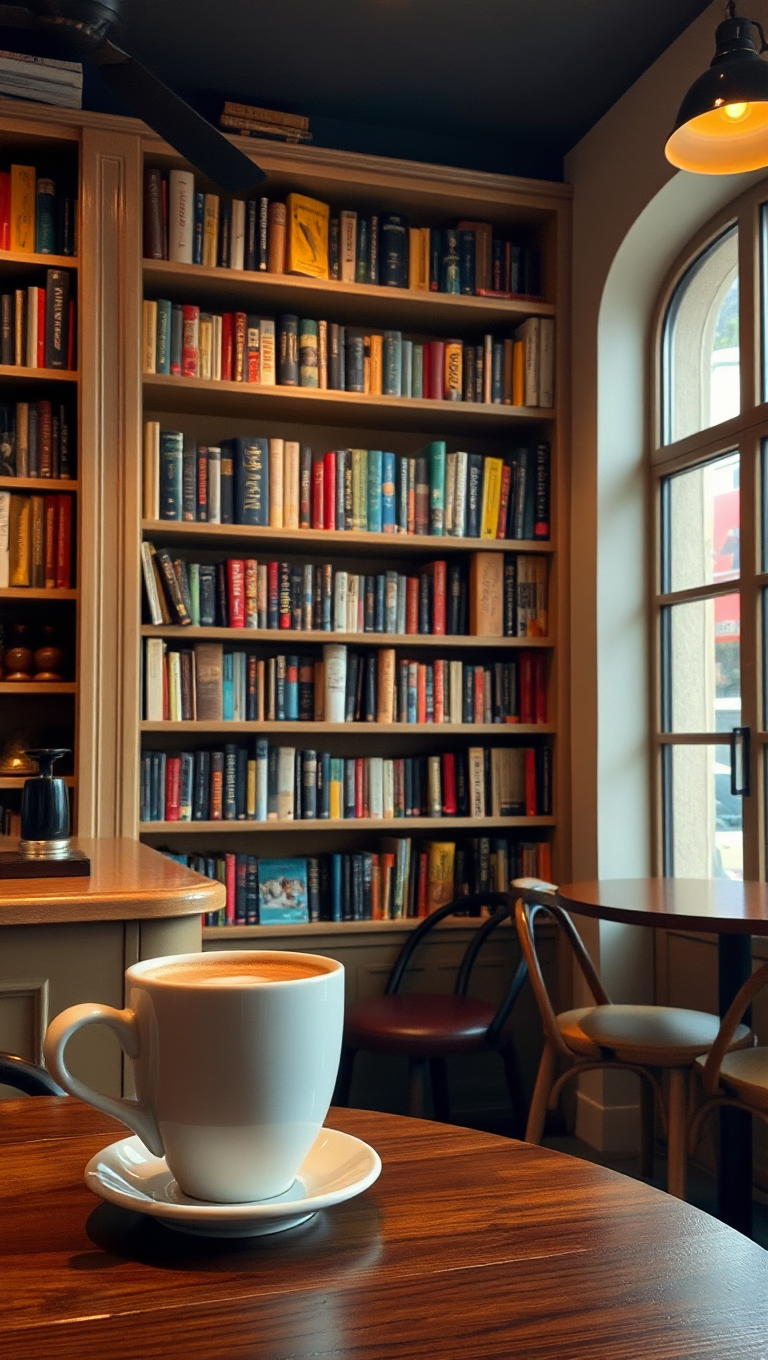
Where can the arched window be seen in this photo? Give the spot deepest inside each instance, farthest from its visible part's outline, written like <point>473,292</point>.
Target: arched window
<point>711,554</point>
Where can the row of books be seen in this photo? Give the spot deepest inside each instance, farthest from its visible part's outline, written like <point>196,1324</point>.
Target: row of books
<point>36,541</point>
<point>494,595</point>
<point>265,783</point>
<point>37,325</point>
<point>293,351</point>
<point>10,821</point>
<point>208,683</point>
<point>301,236</point>
<point>36,440</point>
<point>401,878</point>
<point>252,121</point>
<point>286,485</point>
<point>34,218</point>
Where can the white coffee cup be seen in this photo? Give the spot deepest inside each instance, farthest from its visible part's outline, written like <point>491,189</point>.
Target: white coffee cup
<point>234,1056</point>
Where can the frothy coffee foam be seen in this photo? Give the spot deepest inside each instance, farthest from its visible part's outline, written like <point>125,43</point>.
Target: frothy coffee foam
<point>233,973</point>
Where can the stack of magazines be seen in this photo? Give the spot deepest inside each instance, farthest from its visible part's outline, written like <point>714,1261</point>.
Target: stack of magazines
<point>42,78</point>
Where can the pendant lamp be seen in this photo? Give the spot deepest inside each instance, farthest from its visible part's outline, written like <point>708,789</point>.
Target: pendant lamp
<point>722,126</point>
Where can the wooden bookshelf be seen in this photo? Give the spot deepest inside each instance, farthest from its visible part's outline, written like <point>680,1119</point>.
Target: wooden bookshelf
<point>358,825</point>
<point>419,731</point>
<point>12,260</point>
<point>40,484</point>
<point>429,641</point>
<point>16,782</point>
<point>21,374</point>
<point>36,593</point>
<point>41,687</point>
<point>337,541</point>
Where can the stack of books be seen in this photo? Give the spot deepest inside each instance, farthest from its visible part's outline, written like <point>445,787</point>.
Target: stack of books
<point>42,78</point>
<point>258,122</point>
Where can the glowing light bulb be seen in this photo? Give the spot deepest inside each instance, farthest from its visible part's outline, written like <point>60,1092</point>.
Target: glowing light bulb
<point>736,113</point>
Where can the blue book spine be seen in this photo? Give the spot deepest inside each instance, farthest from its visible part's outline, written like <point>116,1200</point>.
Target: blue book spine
<point>388,493</point>
<point>189,483</point>
<point>262,762</point>
<point>186,780</point>
<point>177,336</point>
<point>240,686</point>
<point>417,372</point>
<point>229,799</point>
<point>412,693</point>
<point>292,689</point>
<point>393,364</point>
<point>337,875</point>
<point>393,251</point>
<point>251,458</point>
<point>45,218</point>
<point>379,603</point>
<point>197,238</point>
<point>193,571</point>
<point>497,373</point>
<point>207,595</point>
<point>375,459</point>
<point>324,783</point>
<point>467,261</point>
<point>163,359</point>
<point>436,454</point>
<point>402,495</point>
<point>435,258</point>
<point>354,362</point>
<point>171,454</point>
<point>406,389</point>
<point>401,599</point>
<point>341,463</point>
<point>228,688</point>
<point>450,281</point>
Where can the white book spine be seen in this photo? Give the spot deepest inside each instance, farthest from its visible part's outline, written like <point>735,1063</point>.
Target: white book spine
<point>291,484</point>
<point>352,600</point>
<point>174,686</point>
<point>335,681</point>
<point>388,788</point>
<point>151,470</point>
<point>460,499</point>
<point>262,775</point>
<point>153,680</point>
<point>340,602</point>
<point>434,787</point>
<point>450,493</point>
<point>276,474</point>
<point>375,786</point>
<point>347,245</point>
<point>181,215</point>
<point>237,243</point>
<point>267,352</point>
<point>214,484</point>
<point>5,537</point>
<point>456,685</point>
<point>151,584</point>
<point>546,361</point>
<point>286,765</point>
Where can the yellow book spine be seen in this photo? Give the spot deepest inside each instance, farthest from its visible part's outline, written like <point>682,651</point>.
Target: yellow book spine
<point>377,364</point>
<point>149,337</point>
<point>20,540</point>
<point>335,788</point>
<point>424,254</point>
<point>414,244</point>
<point>23,192</point>
<point>518,373</point>
<point>307,243</point>
<point>440,874</point>
<point>210,230</point>
<point>291,484</point>
<point>37,534</point>
<point>491,497</point>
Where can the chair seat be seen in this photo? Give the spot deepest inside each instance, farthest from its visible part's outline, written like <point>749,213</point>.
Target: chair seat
<point>419,1025</point>
<point>659,1036</point>
<point>745,1074</point>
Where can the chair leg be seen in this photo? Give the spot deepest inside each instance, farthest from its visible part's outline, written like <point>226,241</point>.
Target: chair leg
<point>677,1133</point>
<point>438,1072</point>
<point>417,1080</point>
<point>647,1128</point>
<point>538,1111</point>
<point>344,1078</point>
<point>515,1088</point>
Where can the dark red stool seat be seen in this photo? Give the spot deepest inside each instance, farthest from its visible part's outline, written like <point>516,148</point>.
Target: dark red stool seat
<point>422,1025</point>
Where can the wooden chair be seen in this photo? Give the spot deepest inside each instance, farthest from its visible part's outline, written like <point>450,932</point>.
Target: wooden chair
<point>427,1028</point>
<point>27,1077</point>
<point>729,1075</point>
<point>642,1039</point>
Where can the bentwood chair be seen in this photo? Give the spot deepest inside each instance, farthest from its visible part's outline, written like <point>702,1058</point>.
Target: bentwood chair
<point>647,1040</point>
<point>729,1077</point>
<point>27,1077</point>
<point>427,1028</point>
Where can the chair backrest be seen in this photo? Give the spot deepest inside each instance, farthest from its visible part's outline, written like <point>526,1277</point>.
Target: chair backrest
<point>474,902</point>
<point>27,1077</point>
<point>732,1018</point>
<point>535,897</point>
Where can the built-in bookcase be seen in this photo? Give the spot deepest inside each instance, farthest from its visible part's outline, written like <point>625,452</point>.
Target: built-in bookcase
<point>36,710</point>
<point>211,411</point>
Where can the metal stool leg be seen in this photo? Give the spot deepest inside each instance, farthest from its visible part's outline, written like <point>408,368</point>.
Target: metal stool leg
<point>417,1080</point>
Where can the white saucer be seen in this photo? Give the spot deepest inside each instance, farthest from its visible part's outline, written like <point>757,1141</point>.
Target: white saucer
<point>336,1168</point>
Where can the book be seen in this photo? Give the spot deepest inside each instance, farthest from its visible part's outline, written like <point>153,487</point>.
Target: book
<point>307,236</point>
<point>283,892</point>
<point>486,594</point>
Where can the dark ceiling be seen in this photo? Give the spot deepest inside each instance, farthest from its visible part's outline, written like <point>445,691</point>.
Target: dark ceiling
<point>494,84</point>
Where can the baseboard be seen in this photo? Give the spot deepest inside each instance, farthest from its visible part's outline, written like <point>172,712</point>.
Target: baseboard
<point>608,1128</point>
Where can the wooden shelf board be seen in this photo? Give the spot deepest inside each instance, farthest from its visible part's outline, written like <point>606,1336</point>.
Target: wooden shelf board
<point>291,637</point>
<point>21,374</point>
<point>41,484</point>
<point>44,687</point>
<point>337,540</point>
<point>33,260</point>
<point>11,781</point>
<point>35,593</point>
<point>390,825</point>
<point>206,396</point>
<point>408,923</point>
<point>329,729</point>
<point>362,303</point>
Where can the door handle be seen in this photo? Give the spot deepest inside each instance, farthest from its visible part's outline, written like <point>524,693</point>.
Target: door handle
<point>740,762</point>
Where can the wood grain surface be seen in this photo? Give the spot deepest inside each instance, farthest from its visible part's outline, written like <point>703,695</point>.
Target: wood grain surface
<point>719,906</point>
<point>467,1246</point>
<point>128,881</point>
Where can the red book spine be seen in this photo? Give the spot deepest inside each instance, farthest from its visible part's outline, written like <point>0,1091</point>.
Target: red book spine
<point>329,491</point>
<point>439,691</point>
<point>423,884</point>
<point>64,543</point>
<point>5,210</point>
<point>411,604</point>
<point>41,328</point>
<point>50,542</point>
<point>236,593</point>
<point>172,788</point>
<point>448,763</point>
<point>421,694</point>
<point>426,370</point>
<point>478,694</point>
<point>318,491</point>
<point>72,337</point>
<point>240,324</point>
<point>506,482</point>
<point>436,367</point>
<point>439,576</point>
<point>273,589</point>
<point>227,346</point>
<point>217,796</point>
<point>526,700</point>
<point>230,883</point>
<point>359,787</point>
<point>530,783</point>
<point>540,687</point>
<point>190,355</point>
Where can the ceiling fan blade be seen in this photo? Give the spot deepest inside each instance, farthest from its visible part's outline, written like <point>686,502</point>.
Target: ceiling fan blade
<point>201,143</point>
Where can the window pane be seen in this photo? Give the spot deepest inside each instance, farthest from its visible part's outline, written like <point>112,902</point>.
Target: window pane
<point>703,818</point>
<point>701,343</point>
<point>701,644</point>
<point>700,525</point>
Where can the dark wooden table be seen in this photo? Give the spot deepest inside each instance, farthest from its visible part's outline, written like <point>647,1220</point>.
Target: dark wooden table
<point>718,906</point>
<point>468,1246</point>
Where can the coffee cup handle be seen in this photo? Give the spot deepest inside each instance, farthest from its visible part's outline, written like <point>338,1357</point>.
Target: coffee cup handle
<point>123,1024</point>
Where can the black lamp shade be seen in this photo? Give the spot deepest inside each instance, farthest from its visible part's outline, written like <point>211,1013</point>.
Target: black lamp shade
<point>722,125</point>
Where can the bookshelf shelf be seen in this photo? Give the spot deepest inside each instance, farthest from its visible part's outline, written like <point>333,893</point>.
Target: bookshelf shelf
<point>207,396</point>
<point>360,824</point>
<point>20,374</point>
<point>340,928</point>
<point>35,593</point>
<point>11,781</point>
<point>12,260</point>
<point>44,687</point>
<point>327,729</point>
<point>41,484</point>
<point>336,541</point>
<point>286,636</point>
<point>333,300</point>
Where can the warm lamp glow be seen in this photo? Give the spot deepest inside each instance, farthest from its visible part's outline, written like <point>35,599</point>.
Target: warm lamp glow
<point>722,125</point>
<point>736,112</point>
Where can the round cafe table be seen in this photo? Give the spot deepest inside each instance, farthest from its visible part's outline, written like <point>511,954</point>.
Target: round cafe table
<point>718,906</point>
<point>468,1245</point>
